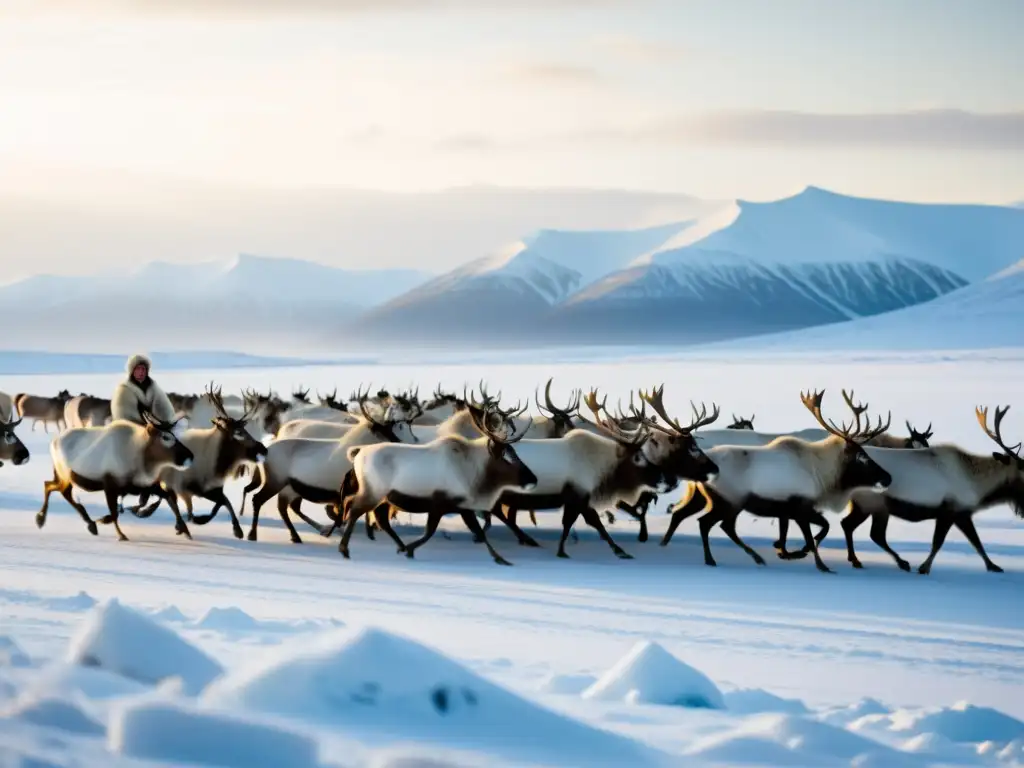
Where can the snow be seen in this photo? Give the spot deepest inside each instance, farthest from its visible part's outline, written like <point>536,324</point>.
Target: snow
<point>788,740</point>
<point>819,226</point>
<point>375,682</point>
<point>736,270</point>
<point>53,713</point>
<point>181,734</point>
<point>986,314</point>
<point>117,638</point>
<point>859,668</point>
<point>649,674</point>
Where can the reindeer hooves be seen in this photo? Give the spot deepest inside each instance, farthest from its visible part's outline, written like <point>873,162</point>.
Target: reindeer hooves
<point>924,570</point>
<point>563,555</point>
<point>859,565</point>
<point>623,555</point>
<point>410,553</point>
<point>903,565</point>
<point>824,568</point>
<point>251,536</point>
<point>237,530</point>
<point>295,539</point>
<point>642,538</point>
<point>528,543</point>
<point>501,561</point>
<point>993,568</point>
<point>326,531</point>
<point>40,520</point>
<point>799,554</point>
<point>91,527</point>
<point>710,561</point>
<point>758,559</point>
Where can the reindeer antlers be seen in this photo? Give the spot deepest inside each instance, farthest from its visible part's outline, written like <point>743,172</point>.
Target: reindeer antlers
<point>854,432</point>
<point>701,419</point>
<point>996,434</point>
<point>552,409</point>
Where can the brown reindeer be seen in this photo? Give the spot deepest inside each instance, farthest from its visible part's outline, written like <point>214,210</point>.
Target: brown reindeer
<point>44,409</point>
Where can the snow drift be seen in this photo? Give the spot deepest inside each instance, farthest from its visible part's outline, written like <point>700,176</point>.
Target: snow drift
<point>181,734</point>
<point>649,674</point>
<point>121,640</point>
<point>372,682</point>
<point>788,740</point>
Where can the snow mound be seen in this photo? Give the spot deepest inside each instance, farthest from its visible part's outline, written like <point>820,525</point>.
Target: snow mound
<point>171,614</point>
<point>572,685</point>
<point>48,712</point>
<point>844,716</point>
<point>124,641</point>
<point>376,684</point>
<point>788,740</point>
<point>167,732</point>
<point>754,701</point>
<point>960,723</point>
<point>63,681</point>
<point>11,654</point>
<point>83,601</point>
<point>232,620</point>
<point>649,674</point>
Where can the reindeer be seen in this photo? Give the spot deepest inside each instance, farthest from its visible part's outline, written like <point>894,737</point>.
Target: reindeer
<point>449,474</point>
<point>885,440</point>
<point>6,407</point>
<point>218,451</point>
<point>44,409</point>
<point>587,471</point>
<point>122,458</point>
<point>87,411</point>
<point>741,423</point>
<point>788,477</point>
<point>298,469</point>
<point>942,483</point>
<point>182,403</point>
<point>11,448</point>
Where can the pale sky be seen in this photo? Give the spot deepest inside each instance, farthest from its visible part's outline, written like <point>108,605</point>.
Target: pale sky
<point>908,99</point>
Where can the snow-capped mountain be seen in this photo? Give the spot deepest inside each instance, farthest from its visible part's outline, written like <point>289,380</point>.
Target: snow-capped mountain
<point>988,314</point>
<point>198,306</point>
<point>528,277</point>
<point>740,269</point>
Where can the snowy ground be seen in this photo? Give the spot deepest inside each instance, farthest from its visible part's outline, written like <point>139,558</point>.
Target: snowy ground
<point>578,663</point>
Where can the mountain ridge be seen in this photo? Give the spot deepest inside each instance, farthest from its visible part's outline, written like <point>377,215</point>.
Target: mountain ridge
<point>741,268</point>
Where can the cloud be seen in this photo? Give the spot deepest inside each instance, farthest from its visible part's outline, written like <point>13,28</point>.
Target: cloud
<point>947,129</point>
<point>640,48</point>
<point>932,129</point>
<point>469,142</point>
<point>555,73</point>
<point>367,135</point>
<point>251,8</point>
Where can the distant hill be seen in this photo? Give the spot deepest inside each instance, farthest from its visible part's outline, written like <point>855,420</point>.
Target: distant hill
<point>740,269</point>
<point>250,302</point>
<point>988,314</point>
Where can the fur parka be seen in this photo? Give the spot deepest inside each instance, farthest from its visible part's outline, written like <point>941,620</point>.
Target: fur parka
<point>128,395</point>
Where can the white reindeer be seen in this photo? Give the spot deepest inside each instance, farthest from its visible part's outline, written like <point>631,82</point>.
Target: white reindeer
<point>119,459</point>
<point>789,478</point>
<point>943,483</point>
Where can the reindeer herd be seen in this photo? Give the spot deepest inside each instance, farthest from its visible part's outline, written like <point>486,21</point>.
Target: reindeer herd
<point>372,457</point>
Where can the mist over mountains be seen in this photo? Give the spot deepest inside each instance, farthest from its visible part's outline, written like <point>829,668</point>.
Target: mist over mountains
<point>704,271</point>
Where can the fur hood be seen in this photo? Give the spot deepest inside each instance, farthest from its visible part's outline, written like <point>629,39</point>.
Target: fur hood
<point>135,360</point>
